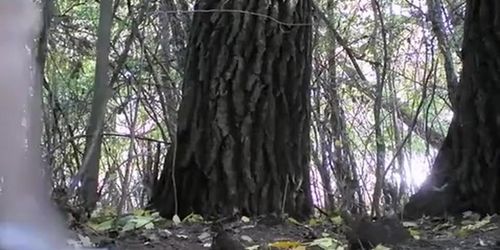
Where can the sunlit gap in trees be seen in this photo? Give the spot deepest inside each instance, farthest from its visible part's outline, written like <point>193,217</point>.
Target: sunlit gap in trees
<point>131,122</point>
<point>417,167</point>
<point>418,157</point>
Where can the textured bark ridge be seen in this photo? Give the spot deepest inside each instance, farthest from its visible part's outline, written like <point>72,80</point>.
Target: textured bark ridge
<point>243,130</point>
<point>466,172</point>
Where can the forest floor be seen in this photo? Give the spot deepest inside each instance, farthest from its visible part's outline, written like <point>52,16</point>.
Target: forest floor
<point>469,232</point>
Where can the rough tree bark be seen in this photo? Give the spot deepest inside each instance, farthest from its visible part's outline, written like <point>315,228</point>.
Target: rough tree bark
<point>465,175</point>
<point>243,131</point>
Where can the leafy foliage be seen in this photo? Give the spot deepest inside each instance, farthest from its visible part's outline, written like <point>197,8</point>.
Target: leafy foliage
<point>149,78</point>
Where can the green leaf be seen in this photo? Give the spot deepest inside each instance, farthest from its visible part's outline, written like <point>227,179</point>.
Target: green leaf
<point>193,218</point>
<point>294,221</point>
<point>381,247</point>
<point>103,226</point>
<point>337,220</point>
<point>149,226</point>
<point>142,221</point>
<point>326,243</point>
<point>129,226</point>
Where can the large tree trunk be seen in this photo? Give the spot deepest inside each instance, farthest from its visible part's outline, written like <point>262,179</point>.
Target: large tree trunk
<point>466,172</point>
<point>243,131</point>
<point>90,166</point>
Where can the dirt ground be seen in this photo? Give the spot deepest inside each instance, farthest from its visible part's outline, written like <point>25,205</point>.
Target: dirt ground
<point>427,234</point>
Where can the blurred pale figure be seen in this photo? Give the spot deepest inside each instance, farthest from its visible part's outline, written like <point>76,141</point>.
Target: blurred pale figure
<point>27,219</point>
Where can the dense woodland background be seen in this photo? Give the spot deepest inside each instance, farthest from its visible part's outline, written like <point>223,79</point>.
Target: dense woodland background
<point>383,76</point>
